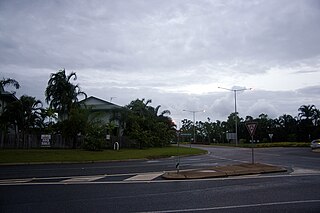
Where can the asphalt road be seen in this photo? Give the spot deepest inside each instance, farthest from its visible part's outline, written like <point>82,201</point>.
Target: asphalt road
<point>136,186</point>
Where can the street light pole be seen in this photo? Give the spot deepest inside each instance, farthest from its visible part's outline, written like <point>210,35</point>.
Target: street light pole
<point>194,120</point>
<point>235,108</point>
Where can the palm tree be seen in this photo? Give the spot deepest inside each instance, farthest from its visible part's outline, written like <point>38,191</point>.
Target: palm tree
<point>4,97</point>
<point>8,81</point>
<point>306,111</point>
<point>32,110</point>
<point>305,125</point>
<point>316,117</point>
<point>61,94</point>
<point>23,115</point>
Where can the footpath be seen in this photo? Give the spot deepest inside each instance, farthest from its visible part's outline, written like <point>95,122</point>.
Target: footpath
<point>224,171</point>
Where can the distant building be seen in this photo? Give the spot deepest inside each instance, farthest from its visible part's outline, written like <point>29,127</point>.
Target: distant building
<point>103,111</point>
<point>5,99</point>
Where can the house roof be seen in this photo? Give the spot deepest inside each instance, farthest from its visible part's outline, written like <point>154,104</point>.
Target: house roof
<point>99,104</point>
<point>7,96</point>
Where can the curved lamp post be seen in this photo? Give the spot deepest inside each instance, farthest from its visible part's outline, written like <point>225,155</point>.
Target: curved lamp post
<point>235,107</point>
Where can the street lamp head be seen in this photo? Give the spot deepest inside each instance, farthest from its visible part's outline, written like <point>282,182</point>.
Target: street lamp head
<point>235,90</point>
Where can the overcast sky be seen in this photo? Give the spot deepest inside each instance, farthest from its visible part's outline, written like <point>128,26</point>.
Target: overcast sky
<point>175,52</point>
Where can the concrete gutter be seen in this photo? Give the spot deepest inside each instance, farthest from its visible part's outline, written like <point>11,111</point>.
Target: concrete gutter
<point>224,171</point>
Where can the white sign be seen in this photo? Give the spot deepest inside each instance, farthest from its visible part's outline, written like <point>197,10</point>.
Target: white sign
<point>231,136</point>
<point>45,140</point>
<point>270,136</point>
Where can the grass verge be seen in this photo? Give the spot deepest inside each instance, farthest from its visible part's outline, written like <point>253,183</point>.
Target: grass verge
<point>62,155</point>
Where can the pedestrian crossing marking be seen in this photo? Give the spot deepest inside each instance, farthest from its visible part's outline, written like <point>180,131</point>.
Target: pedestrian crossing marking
<point>12,181</point>
<point>83,179</point>
<point>145,176</point>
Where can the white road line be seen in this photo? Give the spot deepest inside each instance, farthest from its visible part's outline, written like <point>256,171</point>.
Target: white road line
<point>239,206</point>
<point>15,181</point>
<point>298,170</point>
<point>28,181</point>
<point>83,179</point>
<point>145,176</point>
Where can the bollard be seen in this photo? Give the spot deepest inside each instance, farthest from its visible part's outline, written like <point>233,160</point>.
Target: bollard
<point>116,146</point>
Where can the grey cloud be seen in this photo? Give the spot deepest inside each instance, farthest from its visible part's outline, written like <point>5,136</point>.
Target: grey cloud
<point>152,49</point>
<point>306,71</point>
<point>312,90</point>
<point>179,34</point>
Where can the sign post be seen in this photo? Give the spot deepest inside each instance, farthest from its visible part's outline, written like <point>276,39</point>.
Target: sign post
<point>270,136</point>
<point>251,127</point>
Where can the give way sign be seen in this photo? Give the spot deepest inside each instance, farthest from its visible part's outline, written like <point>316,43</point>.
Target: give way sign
<point>251,127</point>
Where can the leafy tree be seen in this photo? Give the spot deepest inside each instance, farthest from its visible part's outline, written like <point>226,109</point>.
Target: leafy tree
<point>95,137</point>
<point>146,125</point>
<point>9,81</point>
<point>23,115</point>
<point>3,83</point>
<point>306,115</point>
<point>61,94</point>
<point>306,112</point>
<point>76,125</point>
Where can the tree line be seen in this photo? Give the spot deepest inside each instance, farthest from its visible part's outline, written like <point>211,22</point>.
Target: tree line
<point>301,128</point>
<point>142,123</point>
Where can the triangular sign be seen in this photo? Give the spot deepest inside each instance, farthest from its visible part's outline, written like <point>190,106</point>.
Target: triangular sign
<point>251,127</point>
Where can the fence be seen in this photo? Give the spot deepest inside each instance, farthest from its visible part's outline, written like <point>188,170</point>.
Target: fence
<point>27,141</point>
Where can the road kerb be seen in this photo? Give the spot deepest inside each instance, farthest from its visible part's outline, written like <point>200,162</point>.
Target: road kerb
<point>224,171</point>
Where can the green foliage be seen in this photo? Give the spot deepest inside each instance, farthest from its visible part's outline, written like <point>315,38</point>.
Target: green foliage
<point>95,137</point>
<point>61,94</point>
<point>23,114</point>
<point>146,126</point>
<point>304,127</point>
<point>242,141</point>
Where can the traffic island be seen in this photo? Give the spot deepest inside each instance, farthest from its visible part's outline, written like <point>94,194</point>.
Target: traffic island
<point>223,171</point>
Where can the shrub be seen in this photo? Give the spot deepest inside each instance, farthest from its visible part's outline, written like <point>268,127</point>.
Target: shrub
<point>242,141</point>
<point>95,138</point>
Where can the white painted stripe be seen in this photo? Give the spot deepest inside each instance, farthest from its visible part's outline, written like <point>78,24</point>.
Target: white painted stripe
<point>27,181</point>
<point>13,181</point>
<point>145,176</point>
<point>83,179</point>
<point>304,171</point>
<point>239,206</point>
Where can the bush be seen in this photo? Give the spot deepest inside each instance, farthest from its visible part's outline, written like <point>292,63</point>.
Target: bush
<point>242,141</point>
<point>95,138</point>
<point>93,143</point>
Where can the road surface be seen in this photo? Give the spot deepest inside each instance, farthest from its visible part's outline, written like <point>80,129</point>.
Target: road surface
<point>137,186</point>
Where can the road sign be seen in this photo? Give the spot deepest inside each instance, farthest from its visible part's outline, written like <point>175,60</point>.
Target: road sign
<point>251,127</point>
<point>185,134</point>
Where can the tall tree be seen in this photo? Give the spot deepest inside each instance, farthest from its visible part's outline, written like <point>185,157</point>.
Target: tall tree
<point>61,94</point>
<point>9,81</point>
<point>307,111</point>
<point>146,126</point>
<point>6,98</point>
<point>24,115</point>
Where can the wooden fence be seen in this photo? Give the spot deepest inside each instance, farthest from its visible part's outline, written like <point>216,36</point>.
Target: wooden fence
<point>27,141</point>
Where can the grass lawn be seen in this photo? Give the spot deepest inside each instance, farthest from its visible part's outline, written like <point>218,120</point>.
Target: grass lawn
<point>68,155</point>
